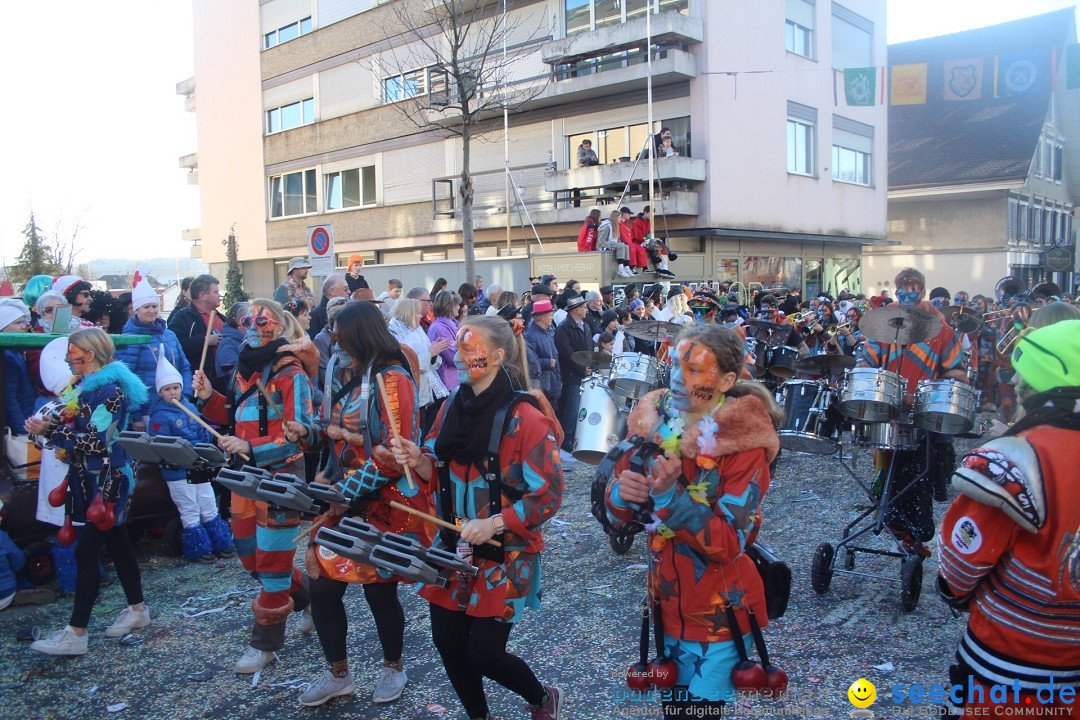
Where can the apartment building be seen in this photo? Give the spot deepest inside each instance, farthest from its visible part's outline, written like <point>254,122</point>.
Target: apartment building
<point>300,115</point>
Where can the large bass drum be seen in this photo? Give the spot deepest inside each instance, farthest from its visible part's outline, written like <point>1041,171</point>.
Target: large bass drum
<point>813,422</point>
<point>600,423</point>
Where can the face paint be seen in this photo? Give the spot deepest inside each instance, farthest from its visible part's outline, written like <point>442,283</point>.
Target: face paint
<point>344,359</point>
<point>473,358</point>
<point>260,327</point>
<point>940,303</point>
<point>78,359</point>
<point>907,298</point>
<point>695,377</point>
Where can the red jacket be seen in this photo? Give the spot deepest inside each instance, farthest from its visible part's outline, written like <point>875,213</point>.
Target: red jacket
<point>625,233</point>
<point>586,239</point>
<point>642,227</point>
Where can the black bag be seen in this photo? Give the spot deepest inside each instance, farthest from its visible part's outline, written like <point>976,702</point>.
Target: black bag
<point>775,575</point>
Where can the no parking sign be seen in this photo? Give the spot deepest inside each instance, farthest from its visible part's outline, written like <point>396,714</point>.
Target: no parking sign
<point>321,249</point>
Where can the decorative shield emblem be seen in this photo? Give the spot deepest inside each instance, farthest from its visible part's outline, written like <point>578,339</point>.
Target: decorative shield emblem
<point>962,80</point>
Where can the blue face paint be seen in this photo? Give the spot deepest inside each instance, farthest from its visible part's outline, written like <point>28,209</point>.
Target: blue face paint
<point>940,302</point>
<point>680,398</point>
<point>344,359</point>
<point>462,368</point>
<point>254,338</point>
<point>907,298</point>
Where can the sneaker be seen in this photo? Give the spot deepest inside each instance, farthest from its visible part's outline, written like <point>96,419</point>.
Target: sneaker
<point>207,559</point>
<point>326,688</point>
<point>226,554</point>
<point>551,709</point>
<point>253,660</point>
<point>625,271</point>
<point>308,623</point>
<point>566,458</point>
<point>62,642</point>
<point>129,620</point>
<point>34,596</point>
<point>390,685</point>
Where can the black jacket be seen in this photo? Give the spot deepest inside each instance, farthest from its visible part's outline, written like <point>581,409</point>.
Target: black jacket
<point>318,318</point>
<point>355,283</point>
<point>594,319</point>
<point>569,339</point>
<point>190,328</point>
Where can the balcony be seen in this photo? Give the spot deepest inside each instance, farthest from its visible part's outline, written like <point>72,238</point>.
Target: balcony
<point>668,28</point>
<point>682,170</point>
<point>187,89</point>
<point>189,162</point>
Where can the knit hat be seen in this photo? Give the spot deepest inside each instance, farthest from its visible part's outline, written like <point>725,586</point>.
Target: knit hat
<point>166,374</point>
<point>55,372</point>
<point>635,304</point>
<point>675,290</point>
<point>940,292</point>
<point>143,294</point>
<point>607,317</point>
<point>12,310</point>
<point>542,289</point>
<point>355,259</point>
<point>1049,357</point>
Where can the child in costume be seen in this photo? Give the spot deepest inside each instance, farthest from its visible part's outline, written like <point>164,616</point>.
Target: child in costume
<point>205,536</point>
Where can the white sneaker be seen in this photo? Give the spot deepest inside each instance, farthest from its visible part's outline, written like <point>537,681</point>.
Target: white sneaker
<point>623,271</point>
<point>390,685</point>
<point>62,642</point>
<point>327,687</point>
<point>129,620</point>
<point>566,458</point>
<point>252,661</point>
<point>308,623</point>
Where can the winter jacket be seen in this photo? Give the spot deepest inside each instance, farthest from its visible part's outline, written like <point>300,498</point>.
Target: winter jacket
<point>142,359</point>
<point>586,239</point>
<point>569,339</point>
<point>355,283</point>
<point>190,329</point>
<point>541,344</point>
<point>11,562</point>
<point>228,349</point>
<point>318,318</point>
<point>446,329</point>
<point>19,393</point>
<point>170,421</point>
<point>96,463</point>
<point>418,340</point>
<point>605,234</point>
<point>322,342</point>
<point>642,227</point>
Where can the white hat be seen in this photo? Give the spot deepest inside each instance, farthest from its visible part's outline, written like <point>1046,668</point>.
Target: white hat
<point>845,305</point>
<point>65,282</point>
<point>11,310</point>
<point>143,294</point>
<point>55,373</point>
<point>166,373</point>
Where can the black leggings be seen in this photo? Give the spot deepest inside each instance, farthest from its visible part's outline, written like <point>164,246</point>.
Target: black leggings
<point>88,569</point>
<point>681,706</point>
<point>475,648</point>
<point>332,625</point>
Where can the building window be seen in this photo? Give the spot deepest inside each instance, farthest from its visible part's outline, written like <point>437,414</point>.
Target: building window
<point>586,15</point>
<point>431,81</point>
<point>773,272</point>
<point>290,116</point>
<point>852,39</point>
<point>800,139</point>
<point>287,33</point>
<point>852,151</point>
<point>292,194</point>
<point>799,28</point>
<point>622,144</point>
<point>350,188</point>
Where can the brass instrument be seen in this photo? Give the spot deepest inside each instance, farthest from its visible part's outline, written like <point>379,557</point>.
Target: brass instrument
<point>1005,344</point>
<point>1046,289</point>
<point>1009,287</point>
<point>996,315</point>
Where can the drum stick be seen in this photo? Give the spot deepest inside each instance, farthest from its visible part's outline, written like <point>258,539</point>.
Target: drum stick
<point>270,400</point>
<point>315,525</point>
<point>202,422</point>
<point>206,340</point>
<point>393,424</point>
<point>434,520</point>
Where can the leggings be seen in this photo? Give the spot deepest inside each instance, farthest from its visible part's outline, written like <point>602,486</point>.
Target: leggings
<point>685,702</point>
<point>332,625</point>
<point>474,648</point>
<point>88,569</point>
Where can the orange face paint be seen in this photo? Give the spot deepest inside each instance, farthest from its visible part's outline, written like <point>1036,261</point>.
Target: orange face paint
<point>473,357</point>
<point>78,359</point>
<point>695,377</point>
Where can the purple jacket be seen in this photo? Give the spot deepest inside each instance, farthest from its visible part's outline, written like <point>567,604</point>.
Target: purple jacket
<point>446,329</point>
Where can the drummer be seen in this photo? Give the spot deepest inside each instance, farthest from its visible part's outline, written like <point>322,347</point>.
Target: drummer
<point>911,515</point>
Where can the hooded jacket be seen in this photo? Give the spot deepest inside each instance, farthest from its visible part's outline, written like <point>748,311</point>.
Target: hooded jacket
<point>170,421</point>
<point>142,359</point>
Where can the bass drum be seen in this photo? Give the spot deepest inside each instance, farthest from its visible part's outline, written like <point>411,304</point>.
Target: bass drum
<point>813,422</point>
<point>633,375</point>
<point>600,423</point>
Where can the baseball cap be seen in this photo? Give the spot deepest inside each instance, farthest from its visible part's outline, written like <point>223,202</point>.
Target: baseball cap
<point>1044,356</point>
<point>545,279</point>
<point>606,290</point>
<point>298,262</point>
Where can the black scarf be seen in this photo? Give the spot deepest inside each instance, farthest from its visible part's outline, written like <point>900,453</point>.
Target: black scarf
<point>467,424</point>
<point>1059,407</point>
<point>252,360</point>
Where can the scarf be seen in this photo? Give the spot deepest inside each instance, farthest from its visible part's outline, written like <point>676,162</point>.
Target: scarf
<point>467,424</point>
<point>1059,407</point>
<point>252,360</point>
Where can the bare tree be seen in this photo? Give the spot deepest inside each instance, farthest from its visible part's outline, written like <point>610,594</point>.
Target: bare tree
<point>65,236</point>
<point>472,74</point>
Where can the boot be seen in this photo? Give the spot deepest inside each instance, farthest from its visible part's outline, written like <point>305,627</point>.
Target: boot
<point>195,544</point>
<point>221,539</point>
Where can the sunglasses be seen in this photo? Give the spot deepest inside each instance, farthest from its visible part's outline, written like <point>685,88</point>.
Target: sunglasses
<point>260,322</point>
<point>49,310</point>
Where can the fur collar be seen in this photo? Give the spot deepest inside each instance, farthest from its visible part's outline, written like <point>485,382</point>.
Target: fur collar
<point>300,352</point>
<point>117,373</point>
<point>744,425</point>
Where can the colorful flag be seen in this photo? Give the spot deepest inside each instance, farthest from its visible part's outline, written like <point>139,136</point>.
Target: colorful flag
<point>909,84</point>
<point>860,86</point>
<point>1072,67</point>
<point>1022,73</point>
<point>963,79</point>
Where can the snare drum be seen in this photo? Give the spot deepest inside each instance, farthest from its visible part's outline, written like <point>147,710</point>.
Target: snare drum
<point>945,406</point>
<point>813,423</point>
<point>600,425</point>
<point>780,361</point>
<point>893,435</point>
<point>633,374</point>
<point>871,394</point>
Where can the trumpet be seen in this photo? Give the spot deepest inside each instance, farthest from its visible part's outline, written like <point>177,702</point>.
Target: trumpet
<point>996,315</point>
<point>804,317</point>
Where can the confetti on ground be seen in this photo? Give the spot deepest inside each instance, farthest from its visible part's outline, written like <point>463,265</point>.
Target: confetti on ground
<point>116,708</point>
<point>885,667</point>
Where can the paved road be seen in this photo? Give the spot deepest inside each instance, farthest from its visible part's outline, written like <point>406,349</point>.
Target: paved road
<point>583,639</point>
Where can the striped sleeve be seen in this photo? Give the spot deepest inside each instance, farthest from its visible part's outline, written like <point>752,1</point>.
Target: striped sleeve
<point>972,540</point>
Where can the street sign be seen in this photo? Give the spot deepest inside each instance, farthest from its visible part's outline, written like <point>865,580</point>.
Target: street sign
<point>321,249</point>
<point>1059,259</point>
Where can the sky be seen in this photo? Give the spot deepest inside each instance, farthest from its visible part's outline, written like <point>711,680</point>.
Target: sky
<point>94,129</point>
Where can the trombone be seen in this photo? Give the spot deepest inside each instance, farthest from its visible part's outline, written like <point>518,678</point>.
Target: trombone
<point>1005,344</point>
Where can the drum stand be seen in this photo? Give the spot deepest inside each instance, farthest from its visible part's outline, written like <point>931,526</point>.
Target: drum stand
<point>827,558</point>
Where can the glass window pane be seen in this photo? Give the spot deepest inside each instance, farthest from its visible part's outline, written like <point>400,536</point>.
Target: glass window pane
<point>638,136</point>
<point>773,272</point>
<point>294,193</point>
<point>350,183</point>
<point>636,8</point>
<point>308,107</point>
<point>789,36</point>
<point>305,26</point>
<point>333,191</point>
<point>851,46</point>
<point>273,121</point>
<point>577,16</point>
<point>608,12</point>
<point>367,178</point>
<point>290,116</point>
<point>276,197</point>
<point>682,6</point>
<point>841,274</point>
<point>392,89</point>
<point>309,192</point>
<point>288,32</point>
<point>270,39</point>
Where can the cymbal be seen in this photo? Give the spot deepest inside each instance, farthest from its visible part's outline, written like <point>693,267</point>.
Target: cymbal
<point>825,364</point>
<point>654,330</point>
<point>897,324</point>
<point>962,319</point>
<point>588,358</point>
<point>756,322</point>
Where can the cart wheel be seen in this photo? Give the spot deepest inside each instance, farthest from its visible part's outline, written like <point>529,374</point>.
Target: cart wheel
<point>621,547</point>
<point>910,582</point>
<point>40,568</point>
<point>821,573</point>
<point>849,559</point>
<point>173,530</point>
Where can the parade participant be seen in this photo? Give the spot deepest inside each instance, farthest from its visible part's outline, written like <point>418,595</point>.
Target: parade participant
<point>232,339</point>
<point>471,620</point>
<point>353,279</point>
<point>640,234</point>
<point>639,261</point>
<point>623,342</point>
<point>205,536</point>
<point>570,337</point>
<point>256,429</point>
<point>77,293</point>
<point>849,335</point>
<point>911,514</point>
<point>985,341</point>
<point>773,337</point>
<point>1009,545</point>
<point>100,481</point>
<point>717,437</point>
<point>294,287</point>
<point>301,311</point>
<point>818,339</point>
<point>361,466</point>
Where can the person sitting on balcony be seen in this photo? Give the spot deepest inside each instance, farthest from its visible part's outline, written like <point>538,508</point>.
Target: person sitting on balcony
<point>667,149</point>
<point>586,239</point>
<point>658,144</point>
<point>586,156</point>
<point>608,238</point>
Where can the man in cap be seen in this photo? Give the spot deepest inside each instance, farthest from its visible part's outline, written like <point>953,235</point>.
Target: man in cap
<point>551,281</point>
<point>77,292</point>
<point>542,354</point>
<point>607,294</point>
<point>294,287</point>
<point>570,337</point>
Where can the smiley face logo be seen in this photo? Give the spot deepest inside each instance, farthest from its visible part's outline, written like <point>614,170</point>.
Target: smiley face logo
<point>862,693</point>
